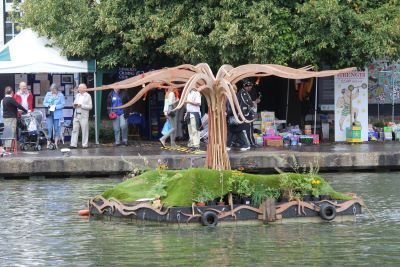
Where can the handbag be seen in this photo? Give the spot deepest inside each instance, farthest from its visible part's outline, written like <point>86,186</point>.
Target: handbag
<point>171,114</point>
<point>112,115</point>
<point>166,128</point>
<point>48,112</point>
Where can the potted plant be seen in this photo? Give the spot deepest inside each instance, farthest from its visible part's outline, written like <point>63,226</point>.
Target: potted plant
<point>287,186</point>
<point>232,185</point>
<point>202,196</point>
<point>261,192</point>
<point>271,192</point>
<point>221,201</point>
<point>244,189</point>
<point>316,189</point>
<point>303,187</point>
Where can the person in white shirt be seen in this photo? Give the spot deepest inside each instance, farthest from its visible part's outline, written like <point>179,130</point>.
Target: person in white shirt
<point>169,105</point>
<point>82,105</point>
<point>193,118</point>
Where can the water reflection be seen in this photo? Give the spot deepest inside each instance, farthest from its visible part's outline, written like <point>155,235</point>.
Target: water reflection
<point>41,227</point>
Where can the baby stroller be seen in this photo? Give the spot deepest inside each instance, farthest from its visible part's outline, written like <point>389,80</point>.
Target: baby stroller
<point>204,129</point>
<point>31,133</point>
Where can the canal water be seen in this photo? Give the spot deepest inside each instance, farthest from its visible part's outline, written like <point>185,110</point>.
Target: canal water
<point>40,227</point>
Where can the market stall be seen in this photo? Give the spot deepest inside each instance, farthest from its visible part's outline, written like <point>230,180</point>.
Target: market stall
<point>28,53</point>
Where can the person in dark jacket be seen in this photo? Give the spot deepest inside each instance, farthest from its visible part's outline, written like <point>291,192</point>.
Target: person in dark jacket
<point>10,113</point>
<point>119,116</point>
<point>249,109</point>
<point>235,130</point>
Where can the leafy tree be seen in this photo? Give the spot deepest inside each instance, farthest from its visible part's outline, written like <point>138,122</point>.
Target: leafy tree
<point>164,33</point>
<point>343,33</point>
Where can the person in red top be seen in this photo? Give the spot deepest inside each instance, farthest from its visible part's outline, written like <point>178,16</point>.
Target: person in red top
<point>24,97</point>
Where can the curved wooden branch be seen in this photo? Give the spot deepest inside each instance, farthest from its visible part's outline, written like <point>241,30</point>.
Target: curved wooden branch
<point>252,70</point>
<point>123,209</point>
<point>190,216</point>
<point>176,74</point>
<point>223,71</point>
<point>208,83</point>
<point>231,212</point>
<point>301,205</point>
<point>281,208</point>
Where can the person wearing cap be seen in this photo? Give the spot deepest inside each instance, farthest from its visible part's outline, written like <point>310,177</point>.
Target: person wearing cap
<point>236,131</point>
<point>249,109</point>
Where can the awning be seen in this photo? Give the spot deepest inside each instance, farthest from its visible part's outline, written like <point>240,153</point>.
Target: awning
<point>29,53</point>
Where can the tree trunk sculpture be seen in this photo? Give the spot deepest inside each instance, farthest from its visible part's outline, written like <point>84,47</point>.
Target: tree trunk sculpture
<point>218,90</point>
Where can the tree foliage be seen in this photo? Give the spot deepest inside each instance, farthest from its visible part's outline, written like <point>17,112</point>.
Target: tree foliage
<point>340,33</point>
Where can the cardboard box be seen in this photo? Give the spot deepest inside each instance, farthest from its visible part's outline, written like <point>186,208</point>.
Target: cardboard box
<point>273,140</point>
<point>387,129</point>
<point>315,138</point>
<point>275,143</point>
<point>265,125</point>
<point>353,134</point>
<point>267,116</point>
<point>388,136</point>
<point>272,137</point>
<point>306,140</point>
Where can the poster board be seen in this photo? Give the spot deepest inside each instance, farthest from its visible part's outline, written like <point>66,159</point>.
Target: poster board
<point>354,86</point>
<point>383,82</point>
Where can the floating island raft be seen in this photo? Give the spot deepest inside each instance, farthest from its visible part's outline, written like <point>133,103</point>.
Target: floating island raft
<point>209,197</point>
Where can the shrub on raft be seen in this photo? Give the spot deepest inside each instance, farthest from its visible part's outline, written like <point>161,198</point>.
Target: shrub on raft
<point>180,185</point>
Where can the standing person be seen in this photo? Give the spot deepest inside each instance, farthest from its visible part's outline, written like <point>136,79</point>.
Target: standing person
<point>193,118</point>
<point>82,105</point>
<point>115,99</point>
<point>169,104</point>
<point>237,130</point>
<point>54,101</point>
<point>249,109</point>
<point>24,97</point>
<point>10,113</point>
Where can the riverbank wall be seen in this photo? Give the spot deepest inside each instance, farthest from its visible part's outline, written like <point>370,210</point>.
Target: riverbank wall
<point>110,161</point>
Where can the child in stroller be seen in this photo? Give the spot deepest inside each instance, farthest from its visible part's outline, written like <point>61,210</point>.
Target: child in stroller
<point>31,133</point>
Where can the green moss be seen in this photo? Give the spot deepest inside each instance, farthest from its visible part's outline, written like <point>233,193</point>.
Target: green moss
<point>182,184</point>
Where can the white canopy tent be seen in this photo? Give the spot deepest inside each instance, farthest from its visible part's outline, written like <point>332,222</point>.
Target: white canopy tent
<point>29,53</point>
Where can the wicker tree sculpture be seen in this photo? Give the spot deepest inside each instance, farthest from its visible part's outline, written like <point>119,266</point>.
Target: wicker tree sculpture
<point>218,91</point>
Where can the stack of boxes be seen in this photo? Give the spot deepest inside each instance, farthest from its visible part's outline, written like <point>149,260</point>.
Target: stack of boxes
<point>293,136</point>
<point>387,131</point>
<point>268,128</point>
<point>267,119</point>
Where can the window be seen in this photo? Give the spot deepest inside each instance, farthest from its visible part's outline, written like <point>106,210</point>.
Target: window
<point>11,29</point>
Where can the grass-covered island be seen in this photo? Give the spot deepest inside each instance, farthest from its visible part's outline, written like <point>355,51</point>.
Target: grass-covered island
<point>183,187</point>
